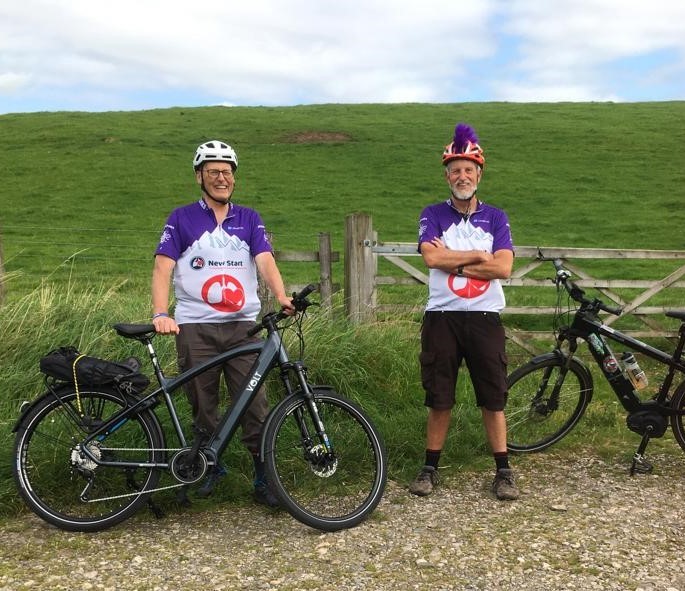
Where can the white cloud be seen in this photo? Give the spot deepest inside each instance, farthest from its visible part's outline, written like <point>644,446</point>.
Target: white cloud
<point>571,47</point>
<point>303,51</point>
<point>11,82</point>
<point>254,52</point>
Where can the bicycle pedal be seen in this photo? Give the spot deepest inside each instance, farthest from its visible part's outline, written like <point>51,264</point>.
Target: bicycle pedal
<point>641,466</point>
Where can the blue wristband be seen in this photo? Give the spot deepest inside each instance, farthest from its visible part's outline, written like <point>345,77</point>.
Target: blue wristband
<point>160,315</point>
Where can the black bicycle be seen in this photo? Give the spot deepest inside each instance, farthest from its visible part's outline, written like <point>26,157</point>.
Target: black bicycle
<point>549,394</point>
<point>325,460</point>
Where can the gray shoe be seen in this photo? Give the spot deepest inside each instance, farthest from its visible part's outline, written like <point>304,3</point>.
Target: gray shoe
<point>424,483</point>
<point>504,486</point>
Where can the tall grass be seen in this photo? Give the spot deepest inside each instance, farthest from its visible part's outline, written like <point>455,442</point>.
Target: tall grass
<point>50,316</point>
<point>374,364</point>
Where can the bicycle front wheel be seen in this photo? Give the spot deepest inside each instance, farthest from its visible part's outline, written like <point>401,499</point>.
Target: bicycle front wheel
<point>65,487</point>
<point>545,402</point>
<point>327,482</point>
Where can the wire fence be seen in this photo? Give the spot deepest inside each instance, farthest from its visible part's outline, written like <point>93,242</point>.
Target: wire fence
<point>36,252</point>
<point>73,253</point>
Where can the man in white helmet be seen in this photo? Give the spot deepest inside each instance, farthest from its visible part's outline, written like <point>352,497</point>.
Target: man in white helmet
<point>213,250</point>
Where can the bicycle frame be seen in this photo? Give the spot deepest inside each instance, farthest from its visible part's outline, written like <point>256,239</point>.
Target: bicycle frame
<point>589,327</point>
<point>270,352</point>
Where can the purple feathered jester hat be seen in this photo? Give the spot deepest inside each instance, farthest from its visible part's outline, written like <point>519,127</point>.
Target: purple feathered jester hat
<point>464,145</point>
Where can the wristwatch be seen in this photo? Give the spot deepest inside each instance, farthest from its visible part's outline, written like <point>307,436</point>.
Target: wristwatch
<point>460,271</point>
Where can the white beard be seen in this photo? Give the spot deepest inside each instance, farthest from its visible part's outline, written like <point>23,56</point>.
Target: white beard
<point>463,194</point>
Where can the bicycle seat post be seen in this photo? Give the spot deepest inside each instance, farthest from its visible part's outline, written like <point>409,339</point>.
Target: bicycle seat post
<point>154,359</point>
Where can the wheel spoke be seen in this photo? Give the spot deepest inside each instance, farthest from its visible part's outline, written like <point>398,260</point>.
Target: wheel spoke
<point>62,483</point>
<point>329,485</point>
<point>544,404</point>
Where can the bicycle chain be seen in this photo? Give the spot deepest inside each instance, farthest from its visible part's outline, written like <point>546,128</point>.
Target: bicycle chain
<point>142,448</point>
<point>133,494</point>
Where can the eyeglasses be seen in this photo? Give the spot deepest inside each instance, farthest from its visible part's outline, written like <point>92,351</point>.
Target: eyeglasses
<point>213,173</point>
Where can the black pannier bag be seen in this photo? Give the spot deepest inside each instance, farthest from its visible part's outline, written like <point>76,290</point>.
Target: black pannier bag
<point>67,364</point>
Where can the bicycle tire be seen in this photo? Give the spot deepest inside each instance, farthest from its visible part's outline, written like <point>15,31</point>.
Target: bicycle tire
<point>51,474</point>
<point>678,421</point>
<point>533,422</point>
<point>328,492</point>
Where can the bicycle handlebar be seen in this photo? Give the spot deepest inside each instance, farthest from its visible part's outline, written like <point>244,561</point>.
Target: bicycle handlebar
<point>563,277</point>
<point>300,303</point>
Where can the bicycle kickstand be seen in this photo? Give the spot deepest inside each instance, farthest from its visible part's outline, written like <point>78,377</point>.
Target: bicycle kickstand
<point>640,463</point>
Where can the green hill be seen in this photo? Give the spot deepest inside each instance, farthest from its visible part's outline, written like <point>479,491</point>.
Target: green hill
<point>102,184</point>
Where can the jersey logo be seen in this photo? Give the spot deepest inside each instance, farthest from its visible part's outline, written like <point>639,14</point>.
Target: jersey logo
<point>467,288</point>
<point>197,263</point>
<point>224,293</point>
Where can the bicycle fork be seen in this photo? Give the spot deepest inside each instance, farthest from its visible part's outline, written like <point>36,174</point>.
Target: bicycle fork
<point>547,407</point>
<point>314,453</point>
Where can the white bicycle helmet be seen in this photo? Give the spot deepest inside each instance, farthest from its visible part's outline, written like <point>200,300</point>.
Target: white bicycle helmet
<point>215,151</point>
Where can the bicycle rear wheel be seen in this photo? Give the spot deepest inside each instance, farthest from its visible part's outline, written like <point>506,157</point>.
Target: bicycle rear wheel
<point>544,404</point>
<point>326,490</point>
<point>60,483</point>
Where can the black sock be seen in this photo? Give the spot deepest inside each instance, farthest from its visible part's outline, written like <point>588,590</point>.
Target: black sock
<point>259,475</point>
<point>433,457</point>
<point>501,459</point>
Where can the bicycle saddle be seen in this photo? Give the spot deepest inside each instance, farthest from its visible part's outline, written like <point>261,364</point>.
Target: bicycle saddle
<point>135,331</point>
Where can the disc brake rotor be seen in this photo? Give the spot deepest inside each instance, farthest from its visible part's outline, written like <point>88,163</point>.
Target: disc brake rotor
<point>321,462</point>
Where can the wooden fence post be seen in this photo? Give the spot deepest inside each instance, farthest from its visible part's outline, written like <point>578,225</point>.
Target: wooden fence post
<point>325,279</point>
<point>265,296</point>
<point>360,268</point>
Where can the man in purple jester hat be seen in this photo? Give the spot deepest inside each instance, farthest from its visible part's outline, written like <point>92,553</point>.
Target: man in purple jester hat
<point>467,246</point>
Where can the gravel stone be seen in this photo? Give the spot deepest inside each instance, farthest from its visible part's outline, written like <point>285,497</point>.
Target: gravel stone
<point>580,524</point>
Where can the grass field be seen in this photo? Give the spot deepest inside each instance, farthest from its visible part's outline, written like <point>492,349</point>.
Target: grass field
<point>84,196</point>
<point>94,189</point>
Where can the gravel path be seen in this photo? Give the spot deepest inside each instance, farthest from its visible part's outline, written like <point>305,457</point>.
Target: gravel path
<point>578,526</point>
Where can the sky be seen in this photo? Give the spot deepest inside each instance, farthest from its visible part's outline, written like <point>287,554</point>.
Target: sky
<point>126,55</point>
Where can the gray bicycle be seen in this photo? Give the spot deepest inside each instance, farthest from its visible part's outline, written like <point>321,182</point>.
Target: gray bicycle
<point>87,458</point>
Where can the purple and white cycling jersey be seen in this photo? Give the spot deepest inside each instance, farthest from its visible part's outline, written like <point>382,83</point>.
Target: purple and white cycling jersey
<point>215,277</point>
<point>486,229</point>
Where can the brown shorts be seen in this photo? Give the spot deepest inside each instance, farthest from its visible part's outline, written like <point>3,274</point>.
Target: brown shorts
<point>447,338</point>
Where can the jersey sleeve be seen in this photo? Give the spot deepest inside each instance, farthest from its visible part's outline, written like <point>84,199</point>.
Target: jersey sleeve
<point>429,228</point>
<point>502,239</point>
<point>259,238</point>
<point>170,239</point>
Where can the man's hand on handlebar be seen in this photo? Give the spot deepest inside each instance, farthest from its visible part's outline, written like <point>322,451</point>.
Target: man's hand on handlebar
<point>287,305</point>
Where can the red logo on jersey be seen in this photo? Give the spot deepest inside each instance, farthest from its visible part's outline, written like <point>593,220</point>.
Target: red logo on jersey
<point>224,293</point>
<point>468,287</point>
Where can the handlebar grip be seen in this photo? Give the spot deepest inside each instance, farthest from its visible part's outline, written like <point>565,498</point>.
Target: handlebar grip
<point>306,291</point>
<point>300,299</point>
<point>300,303</point>
<point>616,311</point>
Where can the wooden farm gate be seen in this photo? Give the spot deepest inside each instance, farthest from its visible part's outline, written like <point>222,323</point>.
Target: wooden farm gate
<point>362,249</point>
